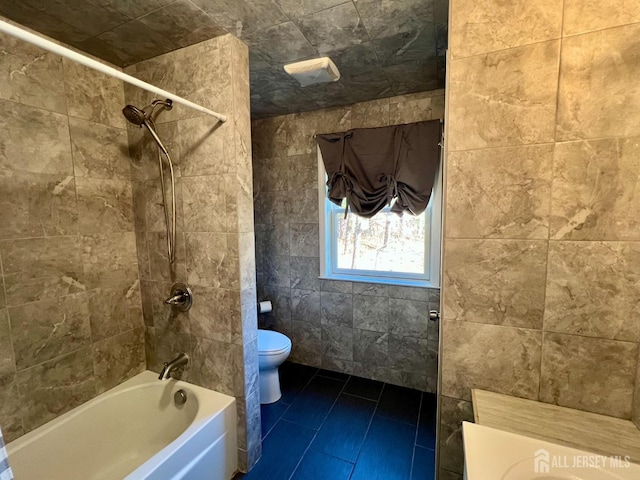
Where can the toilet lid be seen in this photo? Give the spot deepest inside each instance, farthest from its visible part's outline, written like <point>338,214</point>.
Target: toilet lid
<point>272,343</point>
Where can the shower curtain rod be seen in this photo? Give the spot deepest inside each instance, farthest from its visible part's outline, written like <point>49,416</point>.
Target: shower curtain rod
<point>100,67</point>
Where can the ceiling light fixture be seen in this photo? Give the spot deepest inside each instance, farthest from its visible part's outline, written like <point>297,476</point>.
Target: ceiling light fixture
<point>316,70</point>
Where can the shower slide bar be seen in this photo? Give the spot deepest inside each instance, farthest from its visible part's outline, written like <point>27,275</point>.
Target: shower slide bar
<point>101,67</point>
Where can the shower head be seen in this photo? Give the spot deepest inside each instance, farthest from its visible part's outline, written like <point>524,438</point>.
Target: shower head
<point>134,115</point>
<point>139,116</point>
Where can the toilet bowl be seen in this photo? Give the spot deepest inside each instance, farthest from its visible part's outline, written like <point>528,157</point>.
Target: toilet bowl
<point>273,350</point>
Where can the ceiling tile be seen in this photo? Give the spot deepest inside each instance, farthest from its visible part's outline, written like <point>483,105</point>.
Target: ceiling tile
<point>129,43</point>
<point>256,60</point>
<point>241,17</point>
<point>42,22</point>
<point>355,59</point>
<point>333,28</point>
<point>288,100</point>
<point>182,23</point>
<point>281,44</point>
<point>441,17</point>
<point>406,47</point>
<point>136,8</point>
<point>90,16</point>
<point>271,78</point>
<point>328,94</point>
<point>381,47</point>
<point>410,78</point>
<point>261,108</point>
<point>299,8</point>
<point>385,18</point>
<point>367,86</point>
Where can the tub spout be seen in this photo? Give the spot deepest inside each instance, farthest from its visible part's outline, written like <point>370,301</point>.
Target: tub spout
<point>179,361</point>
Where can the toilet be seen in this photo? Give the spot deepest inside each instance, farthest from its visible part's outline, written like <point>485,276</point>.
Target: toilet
<point>273,350</point>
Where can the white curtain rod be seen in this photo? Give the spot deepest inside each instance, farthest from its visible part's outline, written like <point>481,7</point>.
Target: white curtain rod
<point>101,67</point>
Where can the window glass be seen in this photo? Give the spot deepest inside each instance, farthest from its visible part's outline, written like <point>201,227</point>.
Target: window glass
<point>387,248</point>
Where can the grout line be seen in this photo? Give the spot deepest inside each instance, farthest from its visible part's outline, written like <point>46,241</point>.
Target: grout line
<point>321,424</point>
<point>415,437</point>
<point>366,434</point>
<point>597,30</point>
<point>571,334</point>
<point>6,309</point>
<point>128,21</point>
<point>555,130</point>
<point>360,397</point>
<point>56,358</point>
<point>500,50</point>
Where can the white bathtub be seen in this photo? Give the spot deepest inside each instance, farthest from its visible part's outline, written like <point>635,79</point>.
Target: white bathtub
<point>134,431</point>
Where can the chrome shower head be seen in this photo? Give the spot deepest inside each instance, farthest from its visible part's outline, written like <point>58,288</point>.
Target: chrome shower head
<point>139,116</point>
<point>134,115</point>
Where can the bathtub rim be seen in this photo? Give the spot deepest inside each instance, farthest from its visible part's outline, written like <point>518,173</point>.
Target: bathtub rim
<point>145,378</point>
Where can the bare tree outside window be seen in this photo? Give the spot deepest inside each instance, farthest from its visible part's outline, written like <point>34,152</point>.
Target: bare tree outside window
<point>386,242</point>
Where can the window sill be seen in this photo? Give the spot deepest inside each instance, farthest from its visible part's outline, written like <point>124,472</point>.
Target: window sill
<point>399,282</point>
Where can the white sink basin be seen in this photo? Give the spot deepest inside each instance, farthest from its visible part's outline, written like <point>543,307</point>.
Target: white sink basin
<point>491,454</point>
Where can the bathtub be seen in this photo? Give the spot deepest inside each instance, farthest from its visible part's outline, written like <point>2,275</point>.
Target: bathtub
<point>134,431</point>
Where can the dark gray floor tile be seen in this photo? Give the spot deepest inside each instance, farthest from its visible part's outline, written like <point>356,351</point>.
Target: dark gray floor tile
<point>282,449</point>
<point>293,378</point>
<point>387,451</point>
<point>270,414</point>
<point>427,422</point>
<point>312,405</point>
<point>335,375</point>
<point>424,464</point>
<point>343,432</point>
<point>400,404</point>
<point>318,466</point>
<point>361,387</point>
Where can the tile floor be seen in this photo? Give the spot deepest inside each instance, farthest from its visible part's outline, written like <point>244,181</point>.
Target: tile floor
<point>332,426</point>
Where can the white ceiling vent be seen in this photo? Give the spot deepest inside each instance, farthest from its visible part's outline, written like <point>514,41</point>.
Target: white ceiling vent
<point>316,70</point>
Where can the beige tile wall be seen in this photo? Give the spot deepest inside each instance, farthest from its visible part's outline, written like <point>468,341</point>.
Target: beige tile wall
<point>372,331</point>
<point>70,311</point>
<point>541,289</point>
<point>215,251</point>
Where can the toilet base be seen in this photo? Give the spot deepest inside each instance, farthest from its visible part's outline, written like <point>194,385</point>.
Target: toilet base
<point>269,386</point>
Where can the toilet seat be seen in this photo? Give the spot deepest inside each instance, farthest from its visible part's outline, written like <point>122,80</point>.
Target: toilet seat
<point>272,343</point>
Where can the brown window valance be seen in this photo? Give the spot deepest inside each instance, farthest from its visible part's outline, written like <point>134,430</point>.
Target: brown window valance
<point>372,166</point>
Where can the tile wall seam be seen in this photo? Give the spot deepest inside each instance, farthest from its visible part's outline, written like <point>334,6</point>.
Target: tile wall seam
<point>595,139</point>
<point>544,300</point>
<point>491,52</point>
<point>73,165</point>
<point>415,437</point>
<point>449,319</point>
<point>92,121</point>
<point>56,358</point>
<point>562,240</point>
<point>507,239</point>
<point>4,285</point>
<point>635,412</point>
<point>27,106</point>
<point>551,240</point>
<point>597,30</point>
<point>6,309</point>
<point>504,147</point>
<point>607,339</point>
<point>555,130</point>
<point>553,166</point>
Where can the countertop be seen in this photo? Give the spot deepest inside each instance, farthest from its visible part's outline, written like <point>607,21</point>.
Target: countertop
<point>574,428</point>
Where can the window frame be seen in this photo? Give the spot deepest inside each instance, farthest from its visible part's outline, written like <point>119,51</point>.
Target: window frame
<point>328,242</point>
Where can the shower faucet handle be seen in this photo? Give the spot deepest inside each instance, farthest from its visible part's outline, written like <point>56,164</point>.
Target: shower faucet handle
<point>181,297</point>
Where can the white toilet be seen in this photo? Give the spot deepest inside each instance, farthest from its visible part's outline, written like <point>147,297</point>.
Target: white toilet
<point>273,350</point>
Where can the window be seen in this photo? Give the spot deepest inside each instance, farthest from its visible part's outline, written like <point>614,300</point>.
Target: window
<point>387,248</point>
